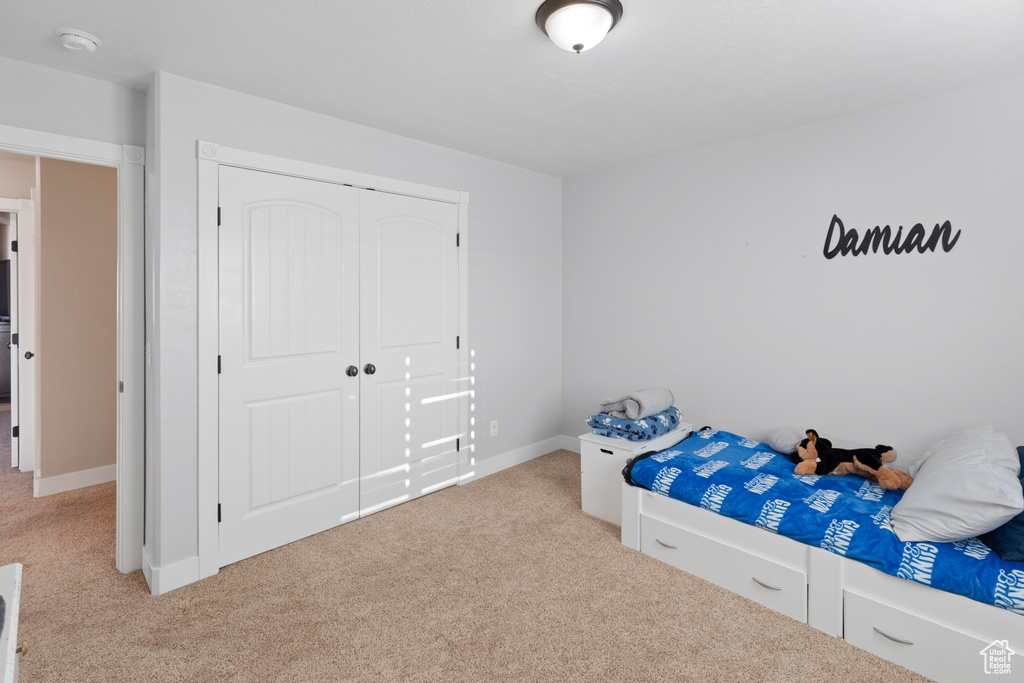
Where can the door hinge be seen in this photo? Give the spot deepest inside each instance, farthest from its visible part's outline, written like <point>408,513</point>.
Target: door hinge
<point>458,445</point>
<point>218,513</point>
<point>218,365</point>
<point>120,387</point>
<point>14,432</point>
<point>14,245</point>
<point>456,341</point>
<point>457,239</point>
<point>218,216</point>
<point>14,339</point>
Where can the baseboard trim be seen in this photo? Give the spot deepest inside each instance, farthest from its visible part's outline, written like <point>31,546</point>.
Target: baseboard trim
<point>47,486</point>
<point>569,443</point>
<point>165,579</point>
<point>489,466</point>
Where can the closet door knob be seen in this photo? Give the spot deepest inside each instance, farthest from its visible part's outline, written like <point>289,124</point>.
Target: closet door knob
<point>351,371</point>
<point>29,355</point>
<point>369,369</point>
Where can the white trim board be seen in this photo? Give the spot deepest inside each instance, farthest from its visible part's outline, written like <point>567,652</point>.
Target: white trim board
<point>209,157</point>
<point>570,443</point>
<point>47,486</point>
<point>131,286</point>
<point>165,579</point>
<point>493,465</point>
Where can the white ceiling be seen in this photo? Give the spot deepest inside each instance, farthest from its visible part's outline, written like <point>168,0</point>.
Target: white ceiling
<point>479,76</point>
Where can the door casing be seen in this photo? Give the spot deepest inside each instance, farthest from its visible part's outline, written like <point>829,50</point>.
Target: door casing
<point>129,161</point>
<point>23,212</point>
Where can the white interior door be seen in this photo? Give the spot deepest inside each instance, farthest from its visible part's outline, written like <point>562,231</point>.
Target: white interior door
<point>13,293</point>
<point>289,413</point>
<point>24,353</point>
<point>408,328</point>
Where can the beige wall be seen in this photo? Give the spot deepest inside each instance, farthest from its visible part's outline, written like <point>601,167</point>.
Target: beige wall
<point>78,322</point>
<point>17,176</point>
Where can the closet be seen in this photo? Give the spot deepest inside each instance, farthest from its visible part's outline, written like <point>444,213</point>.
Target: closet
<point>337,354</point>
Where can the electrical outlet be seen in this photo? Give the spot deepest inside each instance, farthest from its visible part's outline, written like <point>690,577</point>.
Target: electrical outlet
<point>494,427</point>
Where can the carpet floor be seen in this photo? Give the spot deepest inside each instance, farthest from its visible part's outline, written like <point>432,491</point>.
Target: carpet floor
<point>503,579</point>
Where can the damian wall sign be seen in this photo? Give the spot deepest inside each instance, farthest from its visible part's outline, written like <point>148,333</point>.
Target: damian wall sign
<point>844,241</point>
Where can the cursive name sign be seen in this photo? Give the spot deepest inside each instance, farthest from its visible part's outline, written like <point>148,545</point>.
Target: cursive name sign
<point>847,242</point>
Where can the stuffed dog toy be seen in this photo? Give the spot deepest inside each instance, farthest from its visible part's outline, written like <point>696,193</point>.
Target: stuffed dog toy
<point>817,456</point>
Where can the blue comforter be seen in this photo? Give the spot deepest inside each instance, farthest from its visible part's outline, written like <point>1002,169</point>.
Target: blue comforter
<point>635,430</point>
<point>845,515</point>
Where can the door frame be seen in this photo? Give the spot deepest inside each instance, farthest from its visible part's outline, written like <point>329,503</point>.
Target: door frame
<point>210,157</point>
<point>22,210</point>
<point>129,162</point>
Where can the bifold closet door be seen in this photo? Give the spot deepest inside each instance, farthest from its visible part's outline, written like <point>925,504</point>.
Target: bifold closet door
<point>289,329</point>
<point>408,328</point>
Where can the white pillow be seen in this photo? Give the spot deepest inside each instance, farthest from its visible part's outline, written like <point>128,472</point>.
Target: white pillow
<point>784,441</point>
<point>967,484</point>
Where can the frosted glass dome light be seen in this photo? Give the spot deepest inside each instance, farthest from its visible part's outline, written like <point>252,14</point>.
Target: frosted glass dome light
<point>578,25</point>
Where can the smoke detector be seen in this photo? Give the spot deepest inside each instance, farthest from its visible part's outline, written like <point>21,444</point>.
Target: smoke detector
<point>76,40</point>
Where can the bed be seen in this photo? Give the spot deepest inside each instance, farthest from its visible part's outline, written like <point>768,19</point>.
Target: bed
<point>821,550</point>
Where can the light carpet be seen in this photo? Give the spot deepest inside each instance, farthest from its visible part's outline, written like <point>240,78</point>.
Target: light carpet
<point>503,579</point>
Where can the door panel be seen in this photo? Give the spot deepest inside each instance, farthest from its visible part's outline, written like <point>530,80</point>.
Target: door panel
<point>408,328</point>
<point>26,342</point>
<point>289,415</point>
<point>411,256</point>
<point>289,439</point>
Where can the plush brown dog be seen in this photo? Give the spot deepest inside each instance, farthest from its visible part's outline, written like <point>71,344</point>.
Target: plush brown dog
<point>819,457</point>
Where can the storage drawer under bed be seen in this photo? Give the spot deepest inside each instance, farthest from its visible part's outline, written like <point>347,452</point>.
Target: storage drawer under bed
<point>937,651</point>
<point>774,585</point>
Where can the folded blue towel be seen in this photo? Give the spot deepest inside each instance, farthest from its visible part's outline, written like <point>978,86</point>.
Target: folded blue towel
<point>635,430</point>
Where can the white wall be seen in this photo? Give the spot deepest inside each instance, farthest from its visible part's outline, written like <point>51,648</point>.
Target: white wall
<point>703,272</point>
<point>515,278</point>
<point>64,103</point>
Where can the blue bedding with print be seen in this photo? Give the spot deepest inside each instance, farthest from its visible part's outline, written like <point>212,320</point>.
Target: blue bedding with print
<point>635,430</point>
<point>846,515</point>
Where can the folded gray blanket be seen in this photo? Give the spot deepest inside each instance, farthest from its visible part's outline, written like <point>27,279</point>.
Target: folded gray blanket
<point>639,404</point>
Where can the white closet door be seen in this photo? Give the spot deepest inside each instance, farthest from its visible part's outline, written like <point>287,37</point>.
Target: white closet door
<point>408,328</point>
<point>289,413</point>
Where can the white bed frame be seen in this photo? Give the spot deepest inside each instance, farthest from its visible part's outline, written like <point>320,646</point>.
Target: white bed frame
<point>942,635</point>
<point>10,589</point>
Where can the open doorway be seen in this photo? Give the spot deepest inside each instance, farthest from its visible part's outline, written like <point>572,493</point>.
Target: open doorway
<point>18,183</point>
<point>107,396</point>
<point>74,354</point>
<point>58,320</point>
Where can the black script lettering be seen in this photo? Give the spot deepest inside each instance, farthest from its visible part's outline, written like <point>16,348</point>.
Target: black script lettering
<point>915,239</point>
<point>832,253</point>
<point>897,242</point>
<point>874,237</point>
<point>945,229</point>
<point>849,242</point>
<point>846,241</point>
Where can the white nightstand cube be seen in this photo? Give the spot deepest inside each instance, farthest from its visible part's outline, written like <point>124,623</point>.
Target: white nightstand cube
<point>601,461</point>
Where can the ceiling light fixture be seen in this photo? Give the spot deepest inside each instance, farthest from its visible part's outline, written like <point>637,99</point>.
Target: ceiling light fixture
<point>76,40</point>
<point>578,25</point>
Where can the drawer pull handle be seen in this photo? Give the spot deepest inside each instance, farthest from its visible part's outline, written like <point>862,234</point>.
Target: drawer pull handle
<point>670,547</point>
<point>762,584</point>
<point>605,450</point>
<point>892,638</point>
